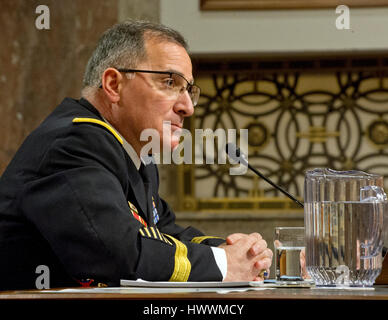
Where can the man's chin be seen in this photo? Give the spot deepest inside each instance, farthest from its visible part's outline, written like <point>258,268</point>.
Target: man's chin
<point>174,146</point>
<point>170,146</point>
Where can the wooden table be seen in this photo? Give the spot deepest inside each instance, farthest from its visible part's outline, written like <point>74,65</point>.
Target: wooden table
<point>279,301</point>
<point>380,293</point>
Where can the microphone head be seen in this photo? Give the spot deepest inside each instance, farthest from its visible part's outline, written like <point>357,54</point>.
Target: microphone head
<point>235,154</point>
<point>232,151</point>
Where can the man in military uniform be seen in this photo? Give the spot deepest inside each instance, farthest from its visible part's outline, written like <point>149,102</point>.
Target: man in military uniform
<point>77,196</point>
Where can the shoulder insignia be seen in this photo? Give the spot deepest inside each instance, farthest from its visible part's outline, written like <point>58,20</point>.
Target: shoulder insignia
<point>101,123</point>
<point>135,214</point>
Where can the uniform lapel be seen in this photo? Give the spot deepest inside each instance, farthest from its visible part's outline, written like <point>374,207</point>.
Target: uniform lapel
<point>138,189</point>
<point>148,192</point>
<point>141,190</point>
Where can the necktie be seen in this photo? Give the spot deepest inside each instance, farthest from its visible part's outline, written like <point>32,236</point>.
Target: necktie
<point>143,173</point>
<point>147,188</point>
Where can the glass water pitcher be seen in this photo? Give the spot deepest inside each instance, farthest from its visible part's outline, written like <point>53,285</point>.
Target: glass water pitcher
<point>343,215</point>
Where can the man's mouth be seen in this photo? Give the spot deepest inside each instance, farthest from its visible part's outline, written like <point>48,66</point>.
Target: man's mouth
<point>176,129</point>
<point>176,126</point>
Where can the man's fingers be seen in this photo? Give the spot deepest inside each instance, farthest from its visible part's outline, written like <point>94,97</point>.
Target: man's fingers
<point>252,244</point>
<point>263,264</point>
<point>258,247</point>
<point>256,236</point>
<point>251,239</point>
<point>233,238</point>
<point>264,260</point>
<point>266,254</point>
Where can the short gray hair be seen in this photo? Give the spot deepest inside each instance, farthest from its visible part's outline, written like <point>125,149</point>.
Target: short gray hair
<point>123,46</point>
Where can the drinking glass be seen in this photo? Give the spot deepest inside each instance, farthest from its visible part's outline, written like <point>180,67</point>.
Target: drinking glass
<point>289,244</point>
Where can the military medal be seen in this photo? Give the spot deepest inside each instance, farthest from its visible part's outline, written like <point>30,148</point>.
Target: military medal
<point>135,213</point>
<point>155,211</point>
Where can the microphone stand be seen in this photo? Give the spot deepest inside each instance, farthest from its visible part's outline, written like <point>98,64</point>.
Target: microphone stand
<point>275,185</point>
<point>230,147</point>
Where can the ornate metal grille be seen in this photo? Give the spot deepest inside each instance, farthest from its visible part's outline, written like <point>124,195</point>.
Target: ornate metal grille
<point>296,121</point>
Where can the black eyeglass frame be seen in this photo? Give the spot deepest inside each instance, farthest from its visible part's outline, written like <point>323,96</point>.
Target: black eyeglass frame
<point>170,73</point>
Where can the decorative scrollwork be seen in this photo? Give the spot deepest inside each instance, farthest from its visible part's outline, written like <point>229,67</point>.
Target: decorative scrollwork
<point>297,121</point>
<point>377,132</point>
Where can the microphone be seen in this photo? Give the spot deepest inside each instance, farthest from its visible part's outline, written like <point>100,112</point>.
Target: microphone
<point>234,153</point>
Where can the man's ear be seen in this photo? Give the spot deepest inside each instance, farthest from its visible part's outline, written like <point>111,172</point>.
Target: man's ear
<point>112,83</point>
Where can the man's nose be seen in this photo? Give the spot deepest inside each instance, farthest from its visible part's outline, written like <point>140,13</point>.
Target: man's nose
<point>184,106</point>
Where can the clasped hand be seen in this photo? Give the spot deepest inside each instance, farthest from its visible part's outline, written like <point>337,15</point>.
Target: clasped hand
<point>247,256</point>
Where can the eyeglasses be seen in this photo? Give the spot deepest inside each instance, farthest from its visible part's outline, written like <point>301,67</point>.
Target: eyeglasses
<point>174,85</point>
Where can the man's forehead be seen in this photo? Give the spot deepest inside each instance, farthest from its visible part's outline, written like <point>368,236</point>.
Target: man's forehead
<point>169,56</point>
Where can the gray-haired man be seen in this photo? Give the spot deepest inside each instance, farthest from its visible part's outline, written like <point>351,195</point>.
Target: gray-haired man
<point>77,197</point>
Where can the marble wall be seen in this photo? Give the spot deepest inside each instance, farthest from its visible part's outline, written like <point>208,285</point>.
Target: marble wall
<point>38,68</point>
